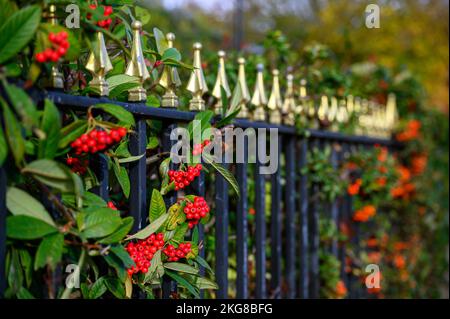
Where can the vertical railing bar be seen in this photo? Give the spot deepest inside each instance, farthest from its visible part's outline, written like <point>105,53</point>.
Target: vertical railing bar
<point>260,221</point>
<point>241,228</point>
<point>304,222</point>
<point>2,232</point>
<point>343,219</point>
<point>335,204</point>
<point>290,217</point>
<point>168,286</point>
<point>314,237</point>
<point>221,249</point>
<point>100,164</point>
<point>276,220</point>
<point>138,174</point>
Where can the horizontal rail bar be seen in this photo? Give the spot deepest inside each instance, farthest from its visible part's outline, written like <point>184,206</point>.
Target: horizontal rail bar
<point>141,109</point>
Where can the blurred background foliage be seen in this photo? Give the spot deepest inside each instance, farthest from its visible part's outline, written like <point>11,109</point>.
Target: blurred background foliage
<point>413,36</point>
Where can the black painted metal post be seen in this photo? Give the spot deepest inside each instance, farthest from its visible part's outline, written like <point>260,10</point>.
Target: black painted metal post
<point>275,227</point>
<point>2,231</point>
<point>100,164</point>
<point>314,238</point>
<point>344,219</point>
<point>138,174</point>
<point>168,286</point>
<point>221,213</point>
<point>260,207</point>
<point>241,228</point>
<point>290,216</point>
<point>335,204</point>
<point>304,222</point>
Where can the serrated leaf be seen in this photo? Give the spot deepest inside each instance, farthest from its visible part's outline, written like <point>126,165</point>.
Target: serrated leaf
<point>157,206</point>
<point>49,251</point>
<point>17,31</point>
<point>150,229</point>
<point>19,202</point>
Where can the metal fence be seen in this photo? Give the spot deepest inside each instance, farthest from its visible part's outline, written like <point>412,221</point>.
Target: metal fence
<point>293,227</point>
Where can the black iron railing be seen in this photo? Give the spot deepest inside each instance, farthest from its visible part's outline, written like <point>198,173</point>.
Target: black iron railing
<point>294,220</point>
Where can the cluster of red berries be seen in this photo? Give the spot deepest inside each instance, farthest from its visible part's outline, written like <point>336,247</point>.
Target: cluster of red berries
<point>143,251</point>
<point>184,178</point>
<point>196,211</point>
<point>175,254</point>
<point>97,140</point>
<point>107,11</point>
<point>59,48</point>
<point>77,165</point>
<point>198,148</point>
<point>111,205</point>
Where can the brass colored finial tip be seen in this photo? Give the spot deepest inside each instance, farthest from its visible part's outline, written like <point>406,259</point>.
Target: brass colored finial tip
<point>275,72</point>
<point>303,82</point>
<point>52,8</point>
<point>241,61</point>
<point>170,36</point>
<point>290,77</point>
<point>260,67</point>
<point>136,25</point>
<point>197,46</point>
<point>221,54</point>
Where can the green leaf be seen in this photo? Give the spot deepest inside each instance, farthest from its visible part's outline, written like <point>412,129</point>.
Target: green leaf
<point>157,206</point>
<point>25,227</point>
<point>13,134</point>
<point>49,251</point>
<point>23,106</point>
<point>171,54</point>
<point>27,264</point>
<point>180,232</point>
<point>21,203</point>
<point>153,142</point>
<point>204,283</point>
<point>130,159</point>
<point>54,175</point>
<point>24,293</point>
<point>123,179</point>
<point>156,268</point>
<point>224,172</point>
<point>150,229</point>
<point>122,150</point>
<point>123,255</point>
<point>8,8</point>
<point>71,132</point>
<point>179,267</point>
<point>98,288</point>
<point>115,287</point>
<point>176,217</point>
<point>101,223</point>
<point>202,262</point>
<point>121,83</point>
<point>161,41</point>
<point>51,125</point>
<point>184,283</point>
<point>17,31</point>
<point>125,118</point>
<point>3,147</point>
<point>195,235</point>
<point>120,233</point>
<point>202,121</point>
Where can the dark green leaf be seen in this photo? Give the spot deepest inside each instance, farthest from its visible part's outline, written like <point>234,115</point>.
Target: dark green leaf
<point>115,287</point>
<point>125,118</point>
<point>120,233</point>
<point>49,251</point>
<point>180,232</point>
<point>224,172</point>
<point>25,227</point>
<point>3,147</point>
<point>122,177</point>
<point>123,255</point>
<point>184,283</point>
<point>17,31</point>
<point>98,288</point>
<point>13,134</point>
<point>71,132</point>
<point>23,106</point>
<point>150,229</point>
<point>157,206</point>
<point>51,125</point>
<point>24,293</point>
<point>101,223</point>
<point>171,54</point>
<point>179,267</point>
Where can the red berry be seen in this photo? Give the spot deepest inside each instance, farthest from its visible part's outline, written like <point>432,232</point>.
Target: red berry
<point>40,57</point>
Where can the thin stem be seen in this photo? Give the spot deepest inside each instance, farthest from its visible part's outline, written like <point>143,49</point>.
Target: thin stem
<point>66,293</point>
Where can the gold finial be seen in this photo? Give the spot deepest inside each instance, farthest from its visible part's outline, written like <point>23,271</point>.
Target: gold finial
<point>275,103</point>
<point>350,104</point>
<point>99,65</point>
<point>301,106</point>
<point>289,104</point>
<point>56,79</point>
<point>322,112</point>
<point>197,83</point>
<point>333,110</point>
<point>259,99</point>
<point>221,82</point>
<point>241,95</point>
<point>357,105</point>
<point>136,66</point>
<point>342,114</point>
<point>391,112</point>
<point>170,80</point>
